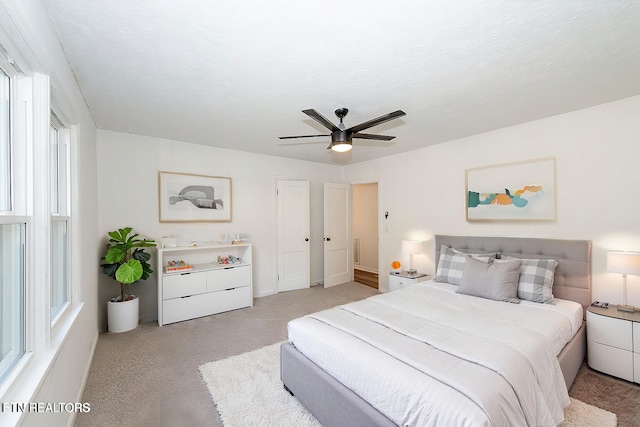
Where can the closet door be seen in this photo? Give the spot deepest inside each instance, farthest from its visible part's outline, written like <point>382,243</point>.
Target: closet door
<point>294,260</point>
<point>338,267</point>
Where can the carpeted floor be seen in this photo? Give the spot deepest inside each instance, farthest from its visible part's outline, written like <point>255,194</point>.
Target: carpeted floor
<point>150,377</point>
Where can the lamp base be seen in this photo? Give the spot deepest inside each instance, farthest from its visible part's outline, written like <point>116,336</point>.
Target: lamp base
<point>627,308</point>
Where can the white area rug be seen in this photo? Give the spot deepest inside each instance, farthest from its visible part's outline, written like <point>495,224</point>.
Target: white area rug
<point>247,392</point>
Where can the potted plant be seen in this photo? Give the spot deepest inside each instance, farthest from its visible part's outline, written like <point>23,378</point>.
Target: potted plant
<point>127,262</point>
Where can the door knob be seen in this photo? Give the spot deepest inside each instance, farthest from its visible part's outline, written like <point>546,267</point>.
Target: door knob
<point>306,239</point>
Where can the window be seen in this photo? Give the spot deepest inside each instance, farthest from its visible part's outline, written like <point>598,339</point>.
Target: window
<point>59,190</point>
<point>12,285</point>
<point>12,237</point>
<point>37,309</point>
<point>5,143</point>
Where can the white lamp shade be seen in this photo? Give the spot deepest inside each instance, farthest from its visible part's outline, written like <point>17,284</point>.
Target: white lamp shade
<point>623,262</point>
<point>411,247</point>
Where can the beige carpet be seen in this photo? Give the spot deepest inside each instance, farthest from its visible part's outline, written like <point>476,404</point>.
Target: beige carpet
<point>247,392</point>
<point>150,377</point>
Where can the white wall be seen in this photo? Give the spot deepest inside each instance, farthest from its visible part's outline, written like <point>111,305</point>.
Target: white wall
<point>26,27</point>
<point>597,153</point>
<point>128,196</point>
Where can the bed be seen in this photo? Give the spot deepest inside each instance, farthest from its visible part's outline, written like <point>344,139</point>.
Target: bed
<point>313,368</point>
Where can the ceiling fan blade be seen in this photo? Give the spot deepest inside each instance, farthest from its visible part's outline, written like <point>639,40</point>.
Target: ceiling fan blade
<point>377,121</point>
<point>371,136</point>
<point>321,119</point>
<point>301,136</point>
<point>291,142</point>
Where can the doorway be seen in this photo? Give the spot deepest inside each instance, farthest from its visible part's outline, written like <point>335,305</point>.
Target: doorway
<point>365,233</point>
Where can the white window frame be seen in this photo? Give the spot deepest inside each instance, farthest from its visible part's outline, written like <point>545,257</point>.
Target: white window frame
<point>19,120</point>
<point>63,206</point>
<point>6,152</point>
<point>31,105</point>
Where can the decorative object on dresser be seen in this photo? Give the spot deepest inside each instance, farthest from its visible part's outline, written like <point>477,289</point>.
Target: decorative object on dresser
<point>220,280</point>
<point>613,345</point>
<point>412,247</point>
<point>624,263</point>
<point>193,198</point>
<point>127,262</point>
<point>400,279</point>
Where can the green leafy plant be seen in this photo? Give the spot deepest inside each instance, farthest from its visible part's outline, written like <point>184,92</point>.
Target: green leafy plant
<point>126,260</point>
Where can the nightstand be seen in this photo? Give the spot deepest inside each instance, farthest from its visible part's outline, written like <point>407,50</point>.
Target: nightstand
<point>400,279</point>
<point>613,342</point>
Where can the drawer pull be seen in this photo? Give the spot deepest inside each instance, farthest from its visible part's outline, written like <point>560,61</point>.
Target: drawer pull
<point>230,289</point>
<point>228,268</point>
<point>187,296</point>
<point>184,274</point>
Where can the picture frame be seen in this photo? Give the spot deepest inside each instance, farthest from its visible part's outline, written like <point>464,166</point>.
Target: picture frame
<point>512,191</point>
<point>184,197</point>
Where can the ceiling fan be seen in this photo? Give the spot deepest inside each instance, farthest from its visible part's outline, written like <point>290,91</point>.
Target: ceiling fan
<point>341,136</point>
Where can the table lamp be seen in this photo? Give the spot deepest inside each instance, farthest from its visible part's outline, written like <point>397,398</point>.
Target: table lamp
<point>411,247</point>
<point>624,263</point>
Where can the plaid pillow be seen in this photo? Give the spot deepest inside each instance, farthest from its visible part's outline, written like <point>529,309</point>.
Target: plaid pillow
<point>451,264</point>
<point>536,279</point>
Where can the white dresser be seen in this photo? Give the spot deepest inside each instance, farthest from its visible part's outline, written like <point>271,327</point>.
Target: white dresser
<point>209,287</point>
<point>613,342</point>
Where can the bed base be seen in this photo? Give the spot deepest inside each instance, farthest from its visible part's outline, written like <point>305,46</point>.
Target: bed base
<point>326,398</point>
<point>333,404</point>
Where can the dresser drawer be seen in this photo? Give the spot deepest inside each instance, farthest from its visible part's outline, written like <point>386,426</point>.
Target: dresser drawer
<point>229,277</point>
<point>610,360</point>
<point>609,331</point>
<point>185,284</point>
<point>636,368</point>
<point>397,282</point>
<point>179,309</point>
<point>636,337</point>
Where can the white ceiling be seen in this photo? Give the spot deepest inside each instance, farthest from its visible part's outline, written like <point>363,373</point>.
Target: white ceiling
<point>236,74</point>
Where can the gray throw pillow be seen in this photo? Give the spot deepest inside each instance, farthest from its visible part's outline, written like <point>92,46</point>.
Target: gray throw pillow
<point>495,281</point>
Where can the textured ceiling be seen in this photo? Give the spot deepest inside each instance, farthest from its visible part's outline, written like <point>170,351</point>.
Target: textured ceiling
<point>236,74</point>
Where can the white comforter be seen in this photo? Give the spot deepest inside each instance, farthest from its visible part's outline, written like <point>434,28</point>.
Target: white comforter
<point>425,356</point>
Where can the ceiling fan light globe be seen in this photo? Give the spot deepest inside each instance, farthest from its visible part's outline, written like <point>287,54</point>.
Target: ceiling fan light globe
<point>341,147</point>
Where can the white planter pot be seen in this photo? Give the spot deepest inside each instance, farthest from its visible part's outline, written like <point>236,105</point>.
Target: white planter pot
<point>123,316</point>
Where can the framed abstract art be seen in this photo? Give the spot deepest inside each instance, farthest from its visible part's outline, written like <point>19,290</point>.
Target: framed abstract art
<point>193,198</point>
<point>513,191</point>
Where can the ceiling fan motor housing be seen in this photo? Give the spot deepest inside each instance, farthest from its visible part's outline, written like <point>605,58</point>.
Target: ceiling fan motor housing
<point>340,137</point>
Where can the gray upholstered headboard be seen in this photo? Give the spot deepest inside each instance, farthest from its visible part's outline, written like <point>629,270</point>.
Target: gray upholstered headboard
<point>573,273</point>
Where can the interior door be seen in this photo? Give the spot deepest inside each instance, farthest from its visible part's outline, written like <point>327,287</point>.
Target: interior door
<point>338,267</point>
<point>294,260</point>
